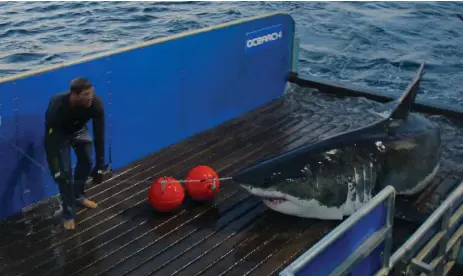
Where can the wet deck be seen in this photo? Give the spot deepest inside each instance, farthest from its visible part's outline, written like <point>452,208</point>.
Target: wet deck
<point>234,235</point>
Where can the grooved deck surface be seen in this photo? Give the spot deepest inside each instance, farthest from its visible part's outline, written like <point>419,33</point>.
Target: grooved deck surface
<point>233,235</point>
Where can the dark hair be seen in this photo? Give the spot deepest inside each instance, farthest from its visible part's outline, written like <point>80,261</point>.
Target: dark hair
<point>80,84</point>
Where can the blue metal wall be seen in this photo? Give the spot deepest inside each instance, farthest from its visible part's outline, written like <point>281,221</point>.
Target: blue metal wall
<point>157,94</point>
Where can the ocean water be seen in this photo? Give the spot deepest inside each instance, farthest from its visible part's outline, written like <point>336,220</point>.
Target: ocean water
<point>378,45</point>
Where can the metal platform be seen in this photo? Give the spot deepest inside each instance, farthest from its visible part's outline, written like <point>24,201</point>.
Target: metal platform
<point>234,235</point>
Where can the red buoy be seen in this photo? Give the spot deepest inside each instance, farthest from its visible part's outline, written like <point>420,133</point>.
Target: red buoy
<point>168,196</point>
<point>208,185</point>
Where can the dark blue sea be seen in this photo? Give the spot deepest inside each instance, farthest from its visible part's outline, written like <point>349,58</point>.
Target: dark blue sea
<point>377,44</point>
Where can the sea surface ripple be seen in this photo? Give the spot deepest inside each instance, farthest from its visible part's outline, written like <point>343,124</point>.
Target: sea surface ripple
<point>375,44</point>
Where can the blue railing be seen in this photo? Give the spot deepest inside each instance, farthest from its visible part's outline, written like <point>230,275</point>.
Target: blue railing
<point>361,245</point>
<point>358,246</point>
<point>433,249</point>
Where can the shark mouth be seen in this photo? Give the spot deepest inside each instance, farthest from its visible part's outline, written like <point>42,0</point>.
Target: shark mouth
<point>272,197</point>
<point>269,198</point>
<point>273,200</point>
<point>287,204</point>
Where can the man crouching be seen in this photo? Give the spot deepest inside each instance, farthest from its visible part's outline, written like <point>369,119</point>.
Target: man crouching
<point>66,125</point>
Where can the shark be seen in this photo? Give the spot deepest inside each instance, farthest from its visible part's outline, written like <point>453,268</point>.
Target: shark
<point>335,176</point>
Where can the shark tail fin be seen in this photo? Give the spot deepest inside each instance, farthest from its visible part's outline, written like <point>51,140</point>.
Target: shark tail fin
<point>401,106</point>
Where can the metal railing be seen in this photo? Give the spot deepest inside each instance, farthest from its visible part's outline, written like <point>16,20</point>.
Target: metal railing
<point>447,245</point>
<point>383,234</point>
<point>410,258</point>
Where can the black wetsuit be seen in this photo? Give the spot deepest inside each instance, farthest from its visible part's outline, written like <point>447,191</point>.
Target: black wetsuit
<point>66,126</point>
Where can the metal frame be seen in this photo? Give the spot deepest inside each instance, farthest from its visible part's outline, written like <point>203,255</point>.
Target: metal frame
<point>383,234</point>
<point>294,70</point>
<point>295,57</point>
<point>447,244</point>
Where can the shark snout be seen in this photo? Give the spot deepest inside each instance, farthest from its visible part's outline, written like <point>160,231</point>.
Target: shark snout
<point>250,177</point>
<point>261,175</point>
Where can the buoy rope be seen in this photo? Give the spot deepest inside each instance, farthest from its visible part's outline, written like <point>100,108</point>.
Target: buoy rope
<point>213,187</point>
<point>164,181</point>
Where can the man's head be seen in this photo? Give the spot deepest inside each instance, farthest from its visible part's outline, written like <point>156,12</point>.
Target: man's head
<point>81,92</point>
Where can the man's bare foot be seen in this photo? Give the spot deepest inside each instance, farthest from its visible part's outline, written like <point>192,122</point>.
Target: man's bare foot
<point>69,224</point>
<point>89,204</point>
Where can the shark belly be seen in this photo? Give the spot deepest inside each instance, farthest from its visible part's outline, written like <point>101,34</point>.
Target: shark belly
<point>313,209</point>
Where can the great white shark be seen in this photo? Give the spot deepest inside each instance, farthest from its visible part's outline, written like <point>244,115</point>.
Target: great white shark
<point>334,177</point>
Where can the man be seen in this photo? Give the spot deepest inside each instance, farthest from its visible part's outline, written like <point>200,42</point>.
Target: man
<point>66,125</point>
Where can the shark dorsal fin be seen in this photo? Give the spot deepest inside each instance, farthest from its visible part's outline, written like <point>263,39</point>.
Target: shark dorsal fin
<point>401,106</point>
<point>397,110</point>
